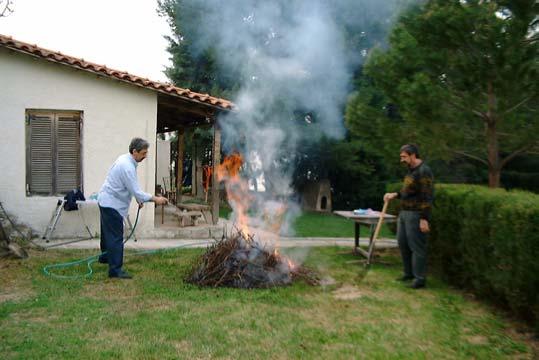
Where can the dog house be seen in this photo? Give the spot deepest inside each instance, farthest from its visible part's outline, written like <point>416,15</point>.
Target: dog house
<point>316,196</point>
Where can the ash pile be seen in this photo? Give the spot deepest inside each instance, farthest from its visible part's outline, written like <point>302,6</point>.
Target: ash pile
<point>239,261</point>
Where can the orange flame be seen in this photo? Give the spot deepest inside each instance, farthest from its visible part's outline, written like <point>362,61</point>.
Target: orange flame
<point>237,189</point>
<point>291,265</point>
<point>237,192</point>
<point>283,258</point>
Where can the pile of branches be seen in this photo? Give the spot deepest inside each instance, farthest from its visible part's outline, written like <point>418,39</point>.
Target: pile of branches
<point>239,261</point>
<point>8,247</point>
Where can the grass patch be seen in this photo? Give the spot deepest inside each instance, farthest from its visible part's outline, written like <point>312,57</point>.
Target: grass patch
<point>312,224</point>
<point>158,316</point>
<point>224,212</point>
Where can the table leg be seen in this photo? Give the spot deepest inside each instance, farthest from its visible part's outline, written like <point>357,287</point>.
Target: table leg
<point>356,236</point>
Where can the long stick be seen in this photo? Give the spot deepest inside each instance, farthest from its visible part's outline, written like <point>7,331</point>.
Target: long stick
<point>377,231</point>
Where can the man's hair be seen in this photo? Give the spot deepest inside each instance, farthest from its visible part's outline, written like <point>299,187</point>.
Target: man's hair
<point>410,149</point>
<point>138,144</point>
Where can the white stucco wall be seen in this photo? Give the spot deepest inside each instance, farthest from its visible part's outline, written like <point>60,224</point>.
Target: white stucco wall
<point>163,163</point>
<point>113,113</point>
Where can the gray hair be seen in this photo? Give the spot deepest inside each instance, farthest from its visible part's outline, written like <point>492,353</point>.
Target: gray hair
<point>138,144</point>
<point>410,149</point>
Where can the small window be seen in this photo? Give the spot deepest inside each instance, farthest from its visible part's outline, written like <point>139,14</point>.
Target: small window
<point>53,152</point>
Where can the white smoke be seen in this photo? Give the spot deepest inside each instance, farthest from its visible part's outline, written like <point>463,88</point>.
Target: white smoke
<point>290,56</point>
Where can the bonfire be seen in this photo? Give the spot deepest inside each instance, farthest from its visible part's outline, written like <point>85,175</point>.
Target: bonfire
<point>238,260</point>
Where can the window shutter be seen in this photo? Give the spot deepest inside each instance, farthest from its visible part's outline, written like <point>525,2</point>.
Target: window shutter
<point>41,154</point>
<point>68,154</point>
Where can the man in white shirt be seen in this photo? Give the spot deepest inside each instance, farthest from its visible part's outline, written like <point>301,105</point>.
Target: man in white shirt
<point>114,198</point>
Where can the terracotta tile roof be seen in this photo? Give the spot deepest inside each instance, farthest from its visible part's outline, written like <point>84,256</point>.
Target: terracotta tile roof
<point>84,65</point>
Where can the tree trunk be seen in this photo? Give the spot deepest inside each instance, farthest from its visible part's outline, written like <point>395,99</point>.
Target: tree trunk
<point>493,147</point>
<point>494,178</point>
<point>494,168</point>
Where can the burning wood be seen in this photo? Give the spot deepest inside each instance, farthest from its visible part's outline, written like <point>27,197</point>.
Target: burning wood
<point>239,261</point>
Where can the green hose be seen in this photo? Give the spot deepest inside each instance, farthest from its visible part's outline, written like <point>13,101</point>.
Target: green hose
<point>92,259</point>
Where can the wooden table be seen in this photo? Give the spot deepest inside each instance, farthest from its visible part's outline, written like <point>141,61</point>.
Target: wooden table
<point>371,220</point>
<point>204,210</point>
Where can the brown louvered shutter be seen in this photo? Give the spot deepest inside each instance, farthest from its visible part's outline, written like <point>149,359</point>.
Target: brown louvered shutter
<point>68,153</point>
<point>40,127</point>
<point>53,152</point>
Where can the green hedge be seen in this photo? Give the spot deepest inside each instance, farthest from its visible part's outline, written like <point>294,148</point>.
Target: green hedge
<point>487,241</point>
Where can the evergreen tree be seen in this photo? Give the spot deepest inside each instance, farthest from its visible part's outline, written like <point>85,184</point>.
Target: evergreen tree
<point>464,76</point>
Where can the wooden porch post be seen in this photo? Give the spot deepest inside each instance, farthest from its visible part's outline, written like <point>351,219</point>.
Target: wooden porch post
<point>216,161</point>
<point>179,167</point>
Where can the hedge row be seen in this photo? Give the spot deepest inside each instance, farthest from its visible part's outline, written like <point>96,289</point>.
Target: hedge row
<point>487,241</point>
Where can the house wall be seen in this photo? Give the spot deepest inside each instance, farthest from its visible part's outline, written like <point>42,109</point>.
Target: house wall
<point>163,163</point>
<point>113,113</point>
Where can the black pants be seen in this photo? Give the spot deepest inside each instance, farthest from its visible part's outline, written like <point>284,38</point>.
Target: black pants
<point>412,245</point>
<point>112,236</point>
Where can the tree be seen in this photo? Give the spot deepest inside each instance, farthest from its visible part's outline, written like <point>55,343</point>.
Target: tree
<point>464,76</point>
<point>193,68</point>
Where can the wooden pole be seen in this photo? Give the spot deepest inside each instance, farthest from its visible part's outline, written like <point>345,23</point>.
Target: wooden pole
<point>377,231</point>
<point>216,161</point>
<point>179,166</point>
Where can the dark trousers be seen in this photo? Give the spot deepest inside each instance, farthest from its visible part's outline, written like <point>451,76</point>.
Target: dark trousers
<point>412,245</point>
<point>112,236</point>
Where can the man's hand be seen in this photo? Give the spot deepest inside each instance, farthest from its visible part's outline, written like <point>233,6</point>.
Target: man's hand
<point>159,200</point>
<point>389,196</point>
<point>140,205</point>
<point>424,226</point>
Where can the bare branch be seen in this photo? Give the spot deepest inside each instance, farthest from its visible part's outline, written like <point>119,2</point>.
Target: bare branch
<point>5,8</point>
<point>517,153</point>
<point>531,39</point>
<point>517,105</point>
<point>464,108</point>
<point>460,95</point>
<point>470,156</point>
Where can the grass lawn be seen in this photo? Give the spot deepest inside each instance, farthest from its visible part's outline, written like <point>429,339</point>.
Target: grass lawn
<point>313,224</point>
<point>159,316</point>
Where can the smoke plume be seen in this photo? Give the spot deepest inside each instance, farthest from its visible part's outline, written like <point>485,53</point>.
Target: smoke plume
<point>295,61</point>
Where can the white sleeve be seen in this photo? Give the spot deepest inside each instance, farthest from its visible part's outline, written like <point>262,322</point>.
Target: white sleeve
<point>129,178</point>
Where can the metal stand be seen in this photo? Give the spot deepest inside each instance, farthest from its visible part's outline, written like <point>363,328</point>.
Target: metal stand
<point>54,220</point>
<point>58,212</point>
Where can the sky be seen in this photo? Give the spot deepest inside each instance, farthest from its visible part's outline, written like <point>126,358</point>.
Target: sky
<point>124,35</point>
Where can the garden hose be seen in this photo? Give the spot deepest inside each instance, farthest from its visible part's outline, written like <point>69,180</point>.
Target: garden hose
<point>89,261</point>
<point>92,259</point>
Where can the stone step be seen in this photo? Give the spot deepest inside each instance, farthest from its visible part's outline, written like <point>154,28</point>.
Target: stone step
<point>188,232</point>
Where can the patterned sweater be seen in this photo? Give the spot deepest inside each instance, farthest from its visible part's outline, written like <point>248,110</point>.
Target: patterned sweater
<point>417,191</point>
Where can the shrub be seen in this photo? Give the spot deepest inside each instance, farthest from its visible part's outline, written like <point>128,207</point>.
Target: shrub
<point>487,241</point>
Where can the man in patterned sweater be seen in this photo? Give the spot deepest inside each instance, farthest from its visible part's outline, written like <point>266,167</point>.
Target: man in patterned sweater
<point>416,197</point>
